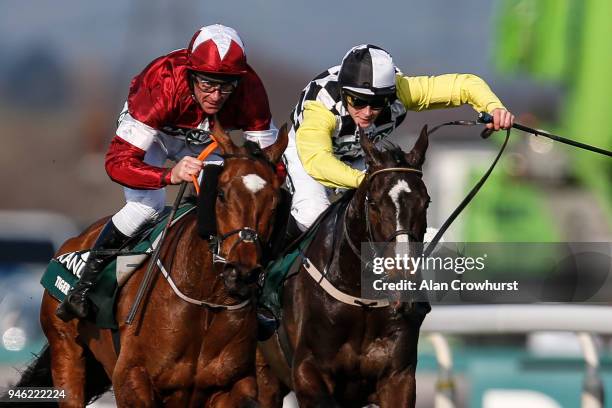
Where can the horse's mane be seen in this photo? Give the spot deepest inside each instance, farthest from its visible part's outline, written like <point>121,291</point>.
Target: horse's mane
<point>254,151</point>
<point>250,150</point>
<point>395,153</point>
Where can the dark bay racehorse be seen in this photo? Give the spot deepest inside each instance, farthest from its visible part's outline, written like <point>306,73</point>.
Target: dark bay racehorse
<point>176,353</point>
<point>345,354</point>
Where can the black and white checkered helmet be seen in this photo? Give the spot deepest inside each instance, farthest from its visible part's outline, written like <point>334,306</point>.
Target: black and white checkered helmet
<point>368,70</point>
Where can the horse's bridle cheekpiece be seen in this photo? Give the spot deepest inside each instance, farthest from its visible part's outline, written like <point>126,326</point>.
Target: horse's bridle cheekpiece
<point>367,219</point>
<point>245,234</point>
<point>326,285</point>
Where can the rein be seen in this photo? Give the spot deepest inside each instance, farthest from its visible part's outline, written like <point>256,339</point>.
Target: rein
<point>245,234</point>
<point>484,118</point>
<point>468,198</point>
<point>371,303</point>
<point>487,118</point>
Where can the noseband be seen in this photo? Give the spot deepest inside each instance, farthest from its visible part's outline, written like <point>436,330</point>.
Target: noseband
<point>245,234</point>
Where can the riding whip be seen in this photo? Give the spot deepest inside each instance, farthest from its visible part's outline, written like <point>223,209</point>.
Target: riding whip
<point>144,284</point>
<point>484,117</point>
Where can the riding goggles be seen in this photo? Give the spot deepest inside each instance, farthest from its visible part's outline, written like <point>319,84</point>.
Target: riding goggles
<point>207,86</point>
<point>375,102</point>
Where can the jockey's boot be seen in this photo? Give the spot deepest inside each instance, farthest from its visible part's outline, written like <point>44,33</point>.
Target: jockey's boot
<point>76,303</point>
<point>267,323</point>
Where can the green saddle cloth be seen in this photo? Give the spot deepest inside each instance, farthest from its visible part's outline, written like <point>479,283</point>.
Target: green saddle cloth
<point>62,272</point>
<point>289,263</point>
<point>278,270</point>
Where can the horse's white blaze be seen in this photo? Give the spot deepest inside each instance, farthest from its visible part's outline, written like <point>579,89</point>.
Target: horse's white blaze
<point>253,182</point>
<point>394,193</point>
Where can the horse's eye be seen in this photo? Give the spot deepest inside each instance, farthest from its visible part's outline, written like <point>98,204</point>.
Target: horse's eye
<point>221,195</point>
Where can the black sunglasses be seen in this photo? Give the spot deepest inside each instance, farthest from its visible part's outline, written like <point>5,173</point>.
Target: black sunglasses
<point>376,103</point>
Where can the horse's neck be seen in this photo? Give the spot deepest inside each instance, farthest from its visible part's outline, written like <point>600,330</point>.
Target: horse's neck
<point>192,268</point>
<point>339,263</point>
<point>355,220</point>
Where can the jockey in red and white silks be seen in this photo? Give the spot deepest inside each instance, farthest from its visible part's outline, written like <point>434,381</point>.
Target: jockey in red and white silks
<point>162,106</point>
<point>176,95</point>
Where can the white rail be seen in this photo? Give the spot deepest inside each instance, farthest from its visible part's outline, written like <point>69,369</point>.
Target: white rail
<point>584,320</point>
<point>490,319</point>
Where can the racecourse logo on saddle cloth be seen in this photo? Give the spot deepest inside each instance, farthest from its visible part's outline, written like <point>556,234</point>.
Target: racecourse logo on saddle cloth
<point>63,272</point>
<point>74,262</point>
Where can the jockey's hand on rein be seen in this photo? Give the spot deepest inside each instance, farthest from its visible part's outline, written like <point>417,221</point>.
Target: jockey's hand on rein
<point>502,119</point>
<point>183,170</point>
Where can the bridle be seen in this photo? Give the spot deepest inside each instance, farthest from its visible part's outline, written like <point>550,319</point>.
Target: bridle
<point>321,277</point>
<point>245,234</point>
<point>368,200</point>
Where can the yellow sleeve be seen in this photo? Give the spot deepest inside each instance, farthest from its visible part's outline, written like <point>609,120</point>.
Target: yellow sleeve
<point>443,91</point>
<point>313,140</point>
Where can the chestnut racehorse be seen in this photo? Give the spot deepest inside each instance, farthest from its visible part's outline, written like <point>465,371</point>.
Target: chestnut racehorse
<point>176,353</point>
<point>334,348</point>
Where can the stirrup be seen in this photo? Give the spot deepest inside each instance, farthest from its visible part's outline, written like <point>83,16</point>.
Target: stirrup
<point>75,305</point>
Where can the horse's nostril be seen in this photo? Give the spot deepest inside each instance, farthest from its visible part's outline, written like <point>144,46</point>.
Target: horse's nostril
<point>230,272</point>
<point>241,273</point>
<point>254,274</point>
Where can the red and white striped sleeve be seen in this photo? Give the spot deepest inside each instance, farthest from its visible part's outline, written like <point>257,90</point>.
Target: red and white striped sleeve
<point>148,108</point>
<point>125,157</point>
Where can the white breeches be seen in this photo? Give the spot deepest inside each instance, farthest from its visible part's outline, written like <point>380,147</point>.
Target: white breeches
<point>310,198</point>
<point>143,206</point>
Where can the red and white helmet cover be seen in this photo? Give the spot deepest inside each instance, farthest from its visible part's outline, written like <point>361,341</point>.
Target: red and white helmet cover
<point>217,49</point>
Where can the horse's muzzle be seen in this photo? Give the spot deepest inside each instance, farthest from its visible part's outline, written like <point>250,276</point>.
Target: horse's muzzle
<point>240,280</point>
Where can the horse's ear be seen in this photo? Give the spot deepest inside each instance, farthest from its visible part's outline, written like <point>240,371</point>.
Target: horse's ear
<point>274,152</point>
<point>416,157</point>
<point>223,139</point>
<point>372,155</point>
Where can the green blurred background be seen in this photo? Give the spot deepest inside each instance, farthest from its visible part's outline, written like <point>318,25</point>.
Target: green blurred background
<point>565,43</point>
